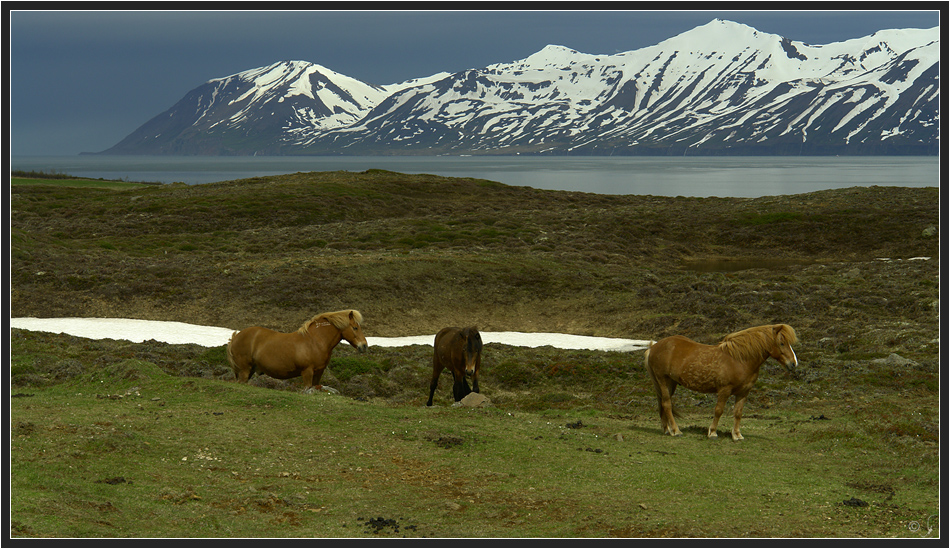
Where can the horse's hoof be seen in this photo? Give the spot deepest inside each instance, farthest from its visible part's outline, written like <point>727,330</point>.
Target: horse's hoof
<point>737,438</point>
<point>713,435</point>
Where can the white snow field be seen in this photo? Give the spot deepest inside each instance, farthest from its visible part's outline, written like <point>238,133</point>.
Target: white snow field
<point>211,336</point>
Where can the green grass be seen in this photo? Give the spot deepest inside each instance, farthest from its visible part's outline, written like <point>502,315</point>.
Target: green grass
<point>120,447</point>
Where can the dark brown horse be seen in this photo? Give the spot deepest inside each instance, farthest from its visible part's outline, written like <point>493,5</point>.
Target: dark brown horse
<point>729,368</point>
<point>305,352</point>
<point>459,350</point>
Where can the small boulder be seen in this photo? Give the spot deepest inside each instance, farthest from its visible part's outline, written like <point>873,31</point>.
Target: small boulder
<point>475,400</point>
<point>895,360</point>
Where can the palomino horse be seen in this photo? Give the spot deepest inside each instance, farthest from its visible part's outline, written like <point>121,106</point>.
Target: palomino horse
<point>729,368</point>
<point>305,352</point>
<point>459,350</point>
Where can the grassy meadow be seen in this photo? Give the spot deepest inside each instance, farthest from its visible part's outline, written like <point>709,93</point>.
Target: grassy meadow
<point>118,439</point>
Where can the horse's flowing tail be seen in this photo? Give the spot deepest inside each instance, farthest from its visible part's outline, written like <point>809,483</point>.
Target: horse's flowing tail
<point>231,355</point>
<point>656,384</point>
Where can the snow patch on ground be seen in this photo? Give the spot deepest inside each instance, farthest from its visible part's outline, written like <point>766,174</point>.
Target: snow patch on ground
<point>210,336</point>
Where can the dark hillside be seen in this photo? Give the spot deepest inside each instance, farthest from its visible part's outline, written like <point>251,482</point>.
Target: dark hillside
<point>417,252</point>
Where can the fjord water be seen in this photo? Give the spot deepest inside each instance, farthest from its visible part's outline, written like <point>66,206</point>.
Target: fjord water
<point>742,177</point>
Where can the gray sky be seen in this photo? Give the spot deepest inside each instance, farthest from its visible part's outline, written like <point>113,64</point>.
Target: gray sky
<point>81,81</point>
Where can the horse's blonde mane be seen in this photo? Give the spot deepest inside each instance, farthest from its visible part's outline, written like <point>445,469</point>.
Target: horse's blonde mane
<point>752,343</point>
<point>339,319</point>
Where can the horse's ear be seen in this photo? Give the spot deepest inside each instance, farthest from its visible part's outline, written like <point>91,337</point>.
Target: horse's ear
<point>785,333</point>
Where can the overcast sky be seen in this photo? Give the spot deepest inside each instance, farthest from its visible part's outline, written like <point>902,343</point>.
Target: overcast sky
<point>82,81</point>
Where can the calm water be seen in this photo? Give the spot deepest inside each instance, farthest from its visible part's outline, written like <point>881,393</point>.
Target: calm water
<point>663,176</point>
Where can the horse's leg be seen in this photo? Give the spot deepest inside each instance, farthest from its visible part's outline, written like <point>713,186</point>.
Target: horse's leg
<point>311,380</point>
<point>740,402</point>
<point>724,395</point>
<point>436,370</point>
<point>475,380</point>
<point>666,408</point>
<point>460,387</point>
<point>317,374</point>
<point>307,377</point>
<point>243,372</point>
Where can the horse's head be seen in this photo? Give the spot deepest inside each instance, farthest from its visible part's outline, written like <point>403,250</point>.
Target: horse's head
<point>782,347</point>
<point>473,349</point>
<point>353,333</point>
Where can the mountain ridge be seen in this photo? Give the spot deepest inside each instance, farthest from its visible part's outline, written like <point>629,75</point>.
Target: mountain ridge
<point>720,88</point>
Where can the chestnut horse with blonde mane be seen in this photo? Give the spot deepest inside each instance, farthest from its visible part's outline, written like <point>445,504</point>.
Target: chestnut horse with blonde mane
<point>305,352</point>
<point>727,369</point>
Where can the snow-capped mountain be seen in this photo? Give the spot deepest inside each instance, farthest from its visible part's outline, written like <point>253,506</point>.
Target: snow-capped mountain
<point>721,88</point>
<point>259,111</point>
